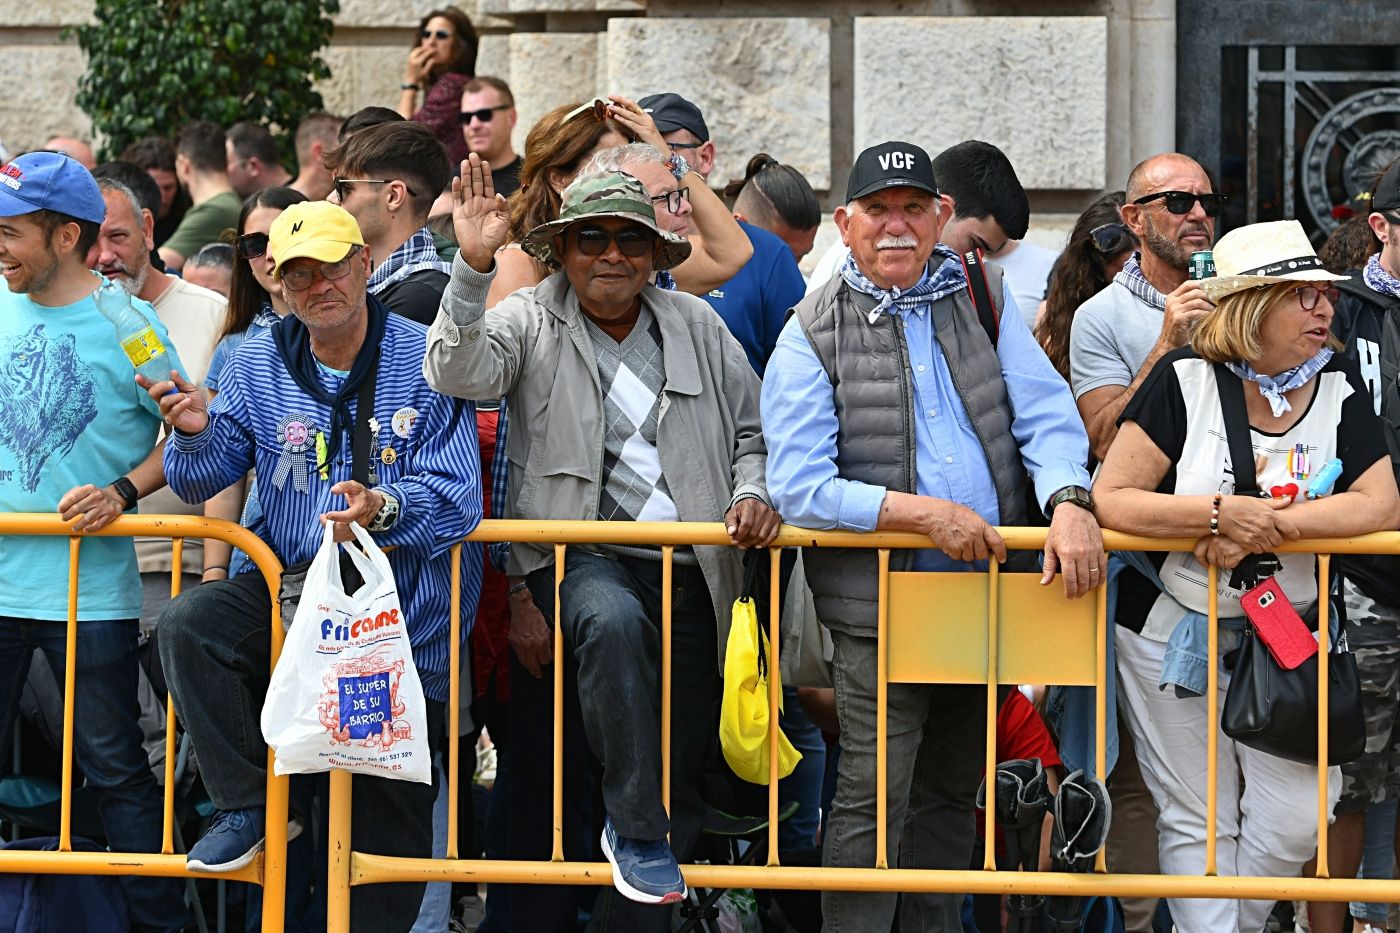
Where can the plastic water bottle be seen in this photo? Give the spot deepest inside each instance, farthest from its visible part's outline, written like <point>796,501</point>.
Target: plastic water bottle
<point>134,332</point>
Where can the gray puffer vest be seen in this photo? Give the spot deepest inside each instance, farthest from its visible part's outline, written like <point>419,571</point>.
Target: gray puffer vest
<point>868,365</point>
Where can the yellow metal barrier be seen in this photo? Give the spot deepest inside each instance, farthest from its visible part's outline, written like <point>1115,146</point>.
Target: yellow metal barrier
<point>986,629</point>
<point>270,868</point>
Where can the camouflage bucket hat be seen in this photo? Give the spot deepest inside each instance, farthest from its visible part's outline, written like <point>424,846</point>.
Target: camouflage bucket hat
<point>610,194</point>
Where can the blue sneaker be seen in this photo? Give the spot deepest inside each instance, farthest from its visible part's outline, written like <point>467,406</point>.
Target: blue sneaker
<point>644,871</point>
<point>233,839</point>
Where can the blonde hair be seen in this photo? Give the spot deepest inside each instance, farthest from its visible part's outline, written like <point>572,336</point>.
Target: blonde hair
<point>1230,333</point>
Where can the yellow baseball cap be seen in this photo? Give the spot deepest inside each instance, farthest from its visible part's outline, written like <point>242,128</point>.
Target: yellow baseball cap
<point>312,229</point>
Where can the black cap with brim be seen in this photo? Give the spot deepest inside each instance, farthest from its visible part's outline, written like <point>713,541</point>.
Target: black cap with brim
<point>1387,196</point>
<point>890,165</point>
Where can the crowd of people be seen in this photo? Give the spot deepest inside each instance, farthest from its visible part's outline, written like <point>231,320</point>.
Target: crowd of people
<point>419,327</point>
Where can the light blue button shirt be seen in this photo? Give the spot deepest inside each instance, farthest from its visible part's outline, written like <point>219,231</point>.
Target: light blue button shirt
<point>800,425</point>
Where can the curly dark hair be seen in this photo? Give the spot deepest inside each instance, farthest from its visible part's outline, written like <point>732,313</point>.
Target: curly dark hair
<point>464,43</point>
<point>1078,275</point>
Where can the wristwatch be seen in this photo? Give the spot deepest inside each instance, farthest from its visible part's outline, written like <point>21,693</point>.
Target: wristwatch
<point>127,490</point>
<point>386,516</point>
<point>1078,495</point>
<point>679,166</point>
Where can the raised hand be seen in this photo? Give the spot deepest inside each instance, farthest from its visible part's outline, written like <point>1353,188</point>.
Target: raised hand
<point>479,216</point>
<point>628,114</point>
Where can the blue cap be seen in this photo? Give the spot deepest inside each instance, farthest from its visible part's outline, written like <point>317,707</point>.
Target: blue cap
<point>50,181</point>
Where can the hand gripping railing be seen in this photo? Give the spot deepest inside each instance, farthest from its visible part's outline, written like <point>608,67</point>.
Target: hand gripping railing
<point>270,868</point>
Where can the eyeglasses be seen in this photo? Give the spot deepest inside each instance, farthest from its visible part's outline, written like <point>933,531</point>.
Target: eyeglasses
<point>594,241</point>
<point>1179,202</point>
<point>252,245</point>
<point>441,34</point>
<point>1309,294</point>
<point>299,280</point>
<point>672,199</point>
<point>484,114</point>
<point>675,146</point>
<point>1113,238</point>
<point>342,188</point>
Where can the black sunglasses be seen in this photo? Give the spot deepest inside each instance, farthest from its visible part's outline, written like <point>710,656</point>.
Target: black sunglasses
<point>594,241</point>
<point>484,114</point>
<point>252,245</point>
<point>1113,238</point>
<point>442,34</point>
<point>1179,202</point>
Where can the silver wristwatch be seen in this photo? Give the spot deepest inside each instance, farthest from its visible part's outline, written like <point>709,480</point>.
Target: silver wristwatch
<point>386,516</point>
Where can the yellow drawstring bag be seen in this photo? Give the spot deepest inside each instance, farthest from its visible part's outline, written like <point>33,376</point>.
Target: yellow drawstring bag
<point>743,716</point>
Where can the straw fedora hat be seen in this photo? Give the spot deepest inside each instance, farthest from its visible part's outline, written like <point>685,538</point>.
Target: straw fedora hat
<point>1262,254</point>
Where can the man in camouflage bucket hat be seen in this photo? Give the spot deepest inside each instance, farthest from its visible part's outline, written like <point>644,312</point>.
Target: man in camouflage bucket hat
<point>592,357</point>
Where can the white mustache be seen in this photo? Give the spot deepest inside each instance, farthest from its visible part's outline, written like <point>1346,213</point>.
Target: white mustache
<point>896,242</point>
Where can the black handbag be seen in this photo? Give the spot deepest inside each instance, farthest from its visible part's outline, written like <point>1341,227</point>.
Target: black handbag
<point>1267,707</point>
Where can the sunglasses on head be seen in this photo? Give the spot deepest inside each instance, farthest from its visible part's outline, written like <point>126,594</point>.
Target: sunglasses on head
<point>599,108</point>
<point>484,114</point>
<point>1179,202</point>
<point>252,245</point>
<point>594,241</point>
<point>1113,238</point>
<point>441,34</point>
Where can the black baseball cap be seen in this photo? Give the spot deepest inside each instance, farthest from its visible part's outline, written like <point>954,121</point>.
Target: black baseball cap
<point>890,165</point>
<point>673,112</point>
<point>1387,195</point>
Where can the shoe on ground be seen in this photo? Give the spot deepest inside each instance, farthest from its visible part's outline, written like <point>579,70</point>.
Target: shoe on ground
<point>644,871</point>
<point>233,839</point>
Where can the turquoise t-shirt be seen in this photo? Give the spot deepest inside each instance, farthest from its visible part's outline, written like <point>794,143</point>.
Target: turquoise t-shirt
<point>71,413</point>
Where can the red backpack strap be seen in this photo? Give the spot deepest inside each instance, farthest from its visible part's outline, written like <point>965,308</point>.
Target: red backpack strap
<point>974,268</point>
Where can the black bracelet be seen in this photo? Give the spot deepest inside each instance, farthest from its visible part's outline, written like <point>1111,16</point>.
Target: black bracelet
<point>127,490</point>
<point>517,587</point>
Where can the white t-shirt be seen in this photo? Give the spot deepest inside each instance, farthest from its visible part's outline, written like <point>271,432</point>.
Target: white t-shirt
<point>1179,408</point>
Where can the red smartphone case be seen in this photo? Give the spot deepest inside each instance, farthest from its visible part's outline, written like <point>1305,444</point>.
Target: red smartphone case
<point>1278,624</point>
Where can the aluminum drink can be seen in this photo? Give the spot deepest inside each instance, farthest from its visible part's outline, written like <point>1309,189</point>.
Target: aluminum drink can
<point>1202,264</point>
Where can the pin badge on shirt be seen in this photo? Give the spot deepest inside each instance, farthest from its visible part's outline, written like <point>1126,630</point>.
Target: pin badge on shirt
<point>322,455</point>
<point>294,434</point>
<point>387,456</point>
<point>403,421</point>
<point>372,474</point>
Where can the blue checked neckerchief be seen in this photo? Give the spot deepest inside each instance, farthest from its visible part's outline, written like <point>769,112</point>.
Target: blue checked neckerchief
<point>1379,280</point>
<point>1134,281</point>
<point>938,281</point>
<point>266,317</point>
<point>665,280</point>
<point>1273,387</point>
<point>416,254</point>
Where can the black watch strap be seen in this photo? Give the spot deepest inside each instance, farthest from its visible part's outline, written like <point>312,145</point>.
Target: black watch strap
<point>1075,494</point>
<point>127,490</point>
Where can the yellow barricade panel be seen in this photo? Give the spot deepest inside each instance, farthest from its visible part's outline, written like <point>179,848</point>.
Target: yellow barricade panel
<point>938,630</point>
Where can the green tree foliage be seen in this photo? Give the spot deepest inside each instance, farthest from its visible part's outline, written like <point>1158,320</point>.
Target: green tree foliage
<point>154,65</point>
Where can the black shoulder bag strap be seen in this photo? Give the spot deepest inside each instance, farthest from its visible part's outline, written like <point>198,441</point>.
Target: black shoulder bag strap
<point>1236,430</point>
<point>987,313</point>
<point>360,443</point>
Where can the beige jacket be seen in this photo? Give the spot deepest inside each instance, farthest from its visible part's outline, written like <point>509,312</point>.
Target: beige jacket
<point>534,348</point>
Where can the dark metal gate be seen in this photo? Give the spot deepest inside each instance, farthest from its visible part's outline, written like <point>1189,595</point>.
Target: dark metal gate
<point>1293,105</point>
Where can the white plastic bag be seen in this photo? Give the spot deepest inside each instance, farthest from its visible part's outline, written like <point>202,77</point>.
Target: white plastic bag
<point>345,693</point>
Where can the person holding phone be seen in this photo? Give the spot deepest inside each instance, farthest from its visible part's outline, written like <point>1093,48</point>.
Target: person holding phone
<point>1168,474</point>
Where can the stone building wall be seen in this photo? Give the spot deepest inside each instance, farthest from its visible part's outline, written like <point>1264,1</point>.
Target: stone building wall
<point>1075,91</point>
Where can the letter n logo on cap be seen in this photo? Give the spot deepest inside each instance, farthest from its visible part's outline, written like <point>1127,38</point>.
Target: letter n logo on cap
<point>296,227</point>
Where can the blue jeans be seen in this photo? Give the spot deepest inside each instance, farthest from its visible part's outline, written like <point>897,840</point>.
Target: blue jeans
<point>106,744</point>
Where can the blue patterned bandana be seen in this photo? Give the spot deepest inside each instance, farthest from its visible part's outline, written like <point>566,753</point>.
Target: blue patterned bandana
<point>1273,387</point>
<point>945,278</point>
<point>416,254</point>
<point>665,280</point>
<point>1134,281</point>
<point>1378,279</point>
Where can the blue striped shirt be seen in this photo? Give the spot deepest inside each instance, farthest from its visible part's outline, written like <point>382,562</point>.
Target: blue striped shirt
<point>435,475</point>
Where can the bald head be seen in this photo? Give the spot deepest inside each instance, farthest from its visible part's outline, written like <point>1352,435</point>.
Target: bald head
<point>1152,174</point>
<point>73,148</point>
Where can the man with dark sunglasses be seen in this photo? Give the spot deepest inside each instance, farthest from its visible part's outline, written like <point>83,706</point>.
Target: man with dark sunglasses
<point>488,116</point>
<point>387,176</point>
<point>1116,339</point>
<point>1150,307</point>
<point>627,403</point>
